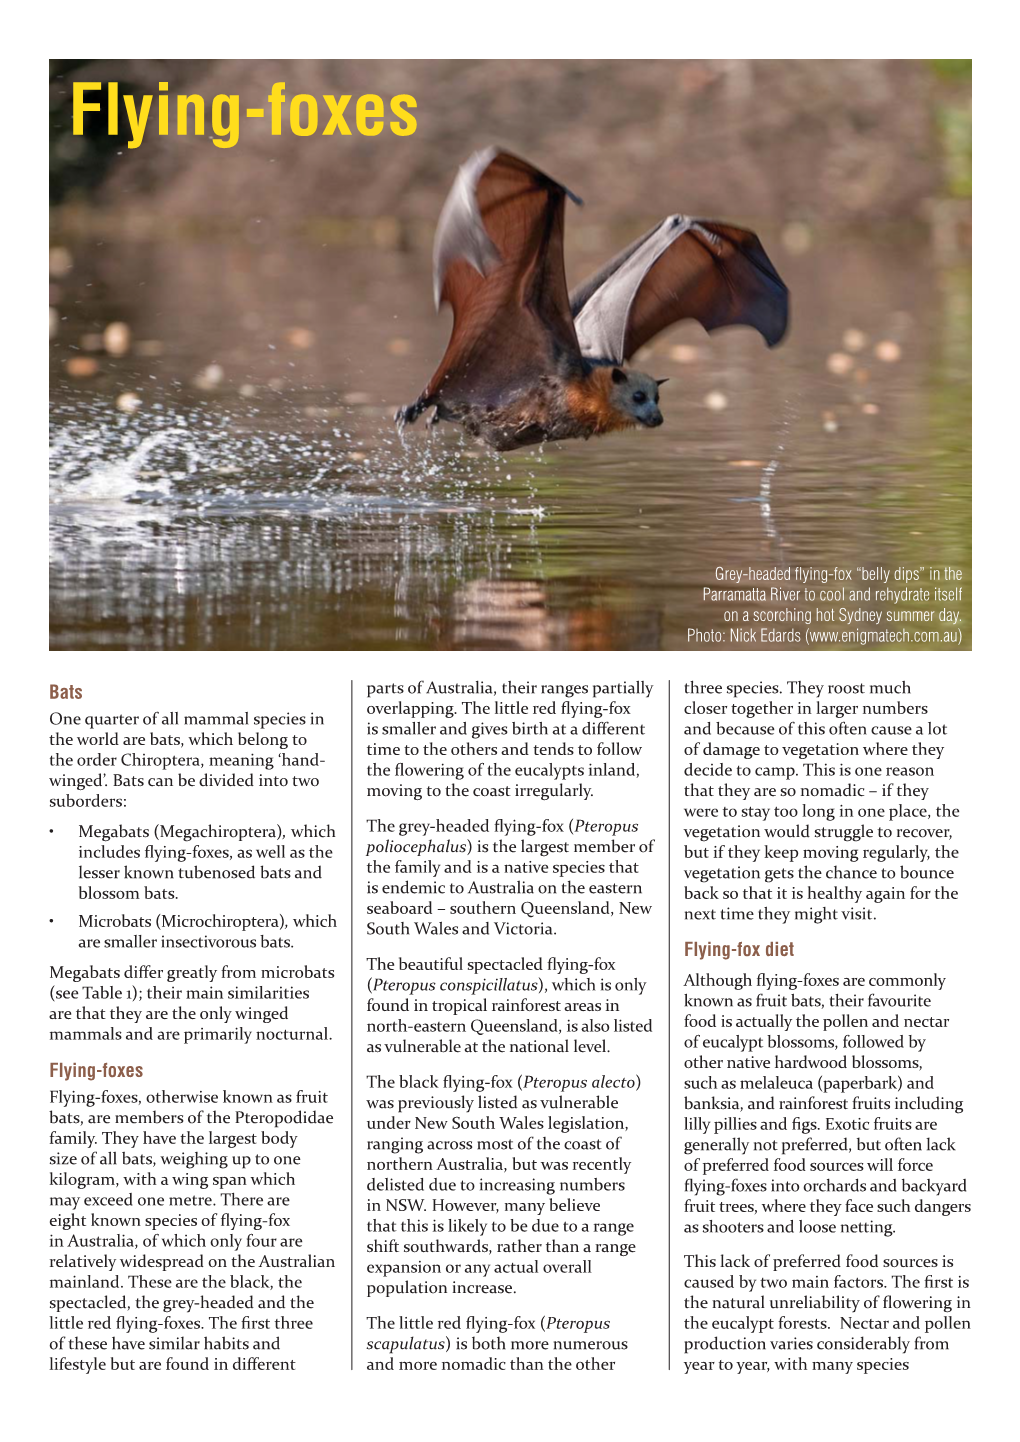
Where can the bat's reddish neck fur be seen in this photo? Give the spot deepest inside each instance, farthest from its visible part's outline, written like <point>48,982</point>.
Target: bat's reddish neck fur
<point>590,402</point>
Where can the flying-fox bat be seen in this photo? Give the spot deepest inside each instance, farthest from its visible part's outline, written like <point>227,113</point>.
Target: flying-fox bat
<point>527,361</point>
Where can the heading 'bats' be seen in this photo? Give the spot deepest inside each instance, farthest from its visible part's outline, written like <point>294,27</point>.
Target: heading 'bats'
<point>527,361</point>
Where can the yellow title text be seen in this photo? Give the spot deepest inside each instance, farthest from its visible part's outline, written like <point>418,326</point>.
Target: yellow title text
<point>368,115</point>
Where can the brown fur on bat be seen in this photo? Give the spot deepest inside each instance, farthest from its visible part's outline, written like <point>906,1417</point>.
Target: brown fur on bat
<point>527,361</point>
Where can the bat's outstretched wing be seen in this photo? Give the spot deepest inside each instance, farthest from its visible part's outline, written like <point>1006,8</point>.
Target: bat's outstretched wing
<point>683,269</point>
<point>499,263</point>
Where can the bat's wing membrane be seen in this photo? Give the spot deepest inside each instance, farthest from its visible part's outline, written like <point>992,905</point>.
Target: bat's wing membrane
<point>683,269</point>
<point>499,264</point>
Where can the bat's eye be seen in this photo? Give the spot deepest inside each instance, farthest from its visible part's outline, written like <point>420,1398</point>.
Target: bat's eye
<point>639,398</point>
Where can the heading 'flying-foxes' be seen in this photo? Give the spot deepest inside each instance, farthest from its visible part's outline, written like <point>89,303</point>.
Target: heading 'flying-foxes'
<point>529,362</point>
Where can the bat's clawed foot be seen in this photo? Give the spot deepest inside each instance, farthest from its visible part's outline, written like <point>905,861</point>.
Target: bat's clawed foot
<point>407,415</point>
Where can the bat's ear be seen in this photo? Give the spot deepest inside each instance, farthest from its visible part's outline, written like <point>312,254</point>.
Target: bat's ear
<point>619,376</point>
<point>663,381</point>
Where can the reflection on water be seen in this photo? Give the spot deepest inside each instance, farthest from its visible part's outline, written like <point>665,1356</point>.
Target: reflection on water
<point>231,479</point>
<point>568,615</point>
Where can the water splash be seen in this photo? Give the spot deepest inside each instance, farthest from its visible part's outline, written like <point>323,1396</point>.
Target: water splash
<point>765,499</point>
<point>768,475</point>
<point>227,462</point>
<point>81,469</point>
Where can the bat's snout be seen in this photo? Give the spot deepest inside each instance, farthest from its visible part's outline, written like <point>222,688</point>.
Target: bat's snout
<point>653,418</point>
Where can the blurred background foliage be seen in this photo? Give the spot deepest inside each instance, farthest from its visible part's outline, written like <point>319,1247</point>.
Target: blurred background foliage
<point>830,143</point>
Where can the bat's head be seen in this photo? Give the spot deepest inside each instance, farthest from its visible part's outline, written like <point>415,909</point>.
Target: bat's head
<point>636,396</point>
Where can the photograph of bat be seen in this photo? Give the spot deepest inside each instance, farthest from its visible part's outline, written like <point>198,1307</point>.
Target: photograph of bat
<point>243,300</point>
<point>528,361</point>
